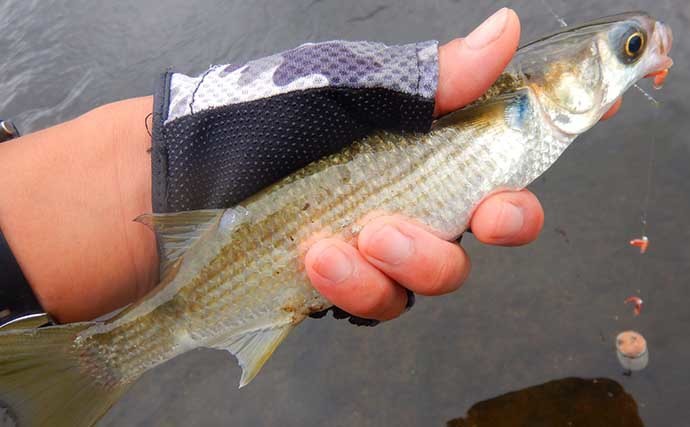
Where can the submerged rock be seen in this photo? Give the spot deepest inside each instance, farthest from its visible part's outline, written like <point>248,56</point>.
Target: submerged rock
<point>567,402</point>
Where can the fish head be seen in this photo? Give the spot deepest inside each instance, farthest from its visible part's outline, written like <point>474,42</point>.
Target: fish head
<point>579,73</point>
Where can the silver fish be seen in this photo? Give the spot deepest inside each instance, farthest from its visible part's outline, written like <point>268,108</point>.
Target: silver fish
<point>234,279</point>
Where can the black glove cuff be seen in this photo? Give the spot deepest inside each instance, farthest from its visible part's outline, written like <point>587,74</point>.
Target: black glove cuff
<point>17,299</point>
<point>16,296</point>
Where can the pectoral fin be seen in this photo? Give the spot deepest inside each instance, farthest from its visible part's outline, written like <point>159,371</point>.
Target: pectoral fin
<point>253,348</point>
<point>512,108</point>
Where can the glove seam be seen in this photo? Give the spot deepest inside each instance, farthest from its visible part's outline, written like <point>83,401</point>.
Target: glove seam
<point>159,155</point>
<point>421,65</point>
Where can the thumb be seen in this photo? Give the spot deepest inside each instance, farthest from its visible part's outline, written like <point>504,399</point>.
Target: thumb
<point>467,67</point>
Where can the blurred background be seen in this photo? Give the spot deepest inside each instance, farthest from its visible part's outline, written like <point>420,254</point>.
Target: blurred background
<point>525,317</point>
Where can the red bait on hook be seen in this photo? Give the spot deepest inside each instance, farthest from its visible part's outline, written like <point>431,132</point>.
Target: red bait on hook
<point>659,78</point>
<point>642,243</point>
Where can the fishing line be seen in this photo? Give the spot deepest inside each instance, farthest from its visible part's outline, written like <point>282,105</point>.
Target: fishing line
<point>650,166</point>
<point>645,204</point>
<point>647,95</point>
<point>559,19</point>
<point>650,170</point>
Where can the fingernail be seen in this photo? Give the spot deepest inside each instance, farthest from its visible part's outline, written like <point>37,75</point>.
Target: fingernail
<point>332,264</point>
<point>510,221</point>
<point>389,245</point>
<point>488,31</point>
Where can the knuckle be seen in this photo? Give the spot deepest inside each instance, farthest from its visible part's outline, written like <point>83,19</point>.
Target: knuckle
<point>441,276</point>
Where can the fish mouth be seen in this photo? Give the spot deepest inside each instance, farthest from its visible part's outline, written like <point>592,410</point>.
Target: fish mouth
<point>661,62</point>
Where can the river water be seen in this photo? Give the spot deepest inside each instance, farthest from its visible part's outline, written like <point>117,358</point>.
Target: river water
<point>527,316</point>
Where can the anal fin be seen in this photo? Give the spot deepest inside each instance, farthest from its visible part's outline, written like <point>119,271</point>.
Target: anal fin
<point>254,347</point>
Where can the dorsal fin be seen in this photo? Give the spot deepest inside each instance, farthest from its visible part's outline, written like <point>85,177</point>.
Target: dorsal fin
<point>176,232</point>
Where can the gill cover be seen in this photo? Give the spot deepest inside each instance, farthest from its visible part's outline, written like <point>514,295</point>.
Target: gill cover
<point>578,73</point>
<point>564,71</point>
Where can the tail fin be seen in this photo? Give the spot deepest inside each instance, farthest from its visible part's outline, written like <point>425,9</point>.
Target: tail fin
<point>42,382</point>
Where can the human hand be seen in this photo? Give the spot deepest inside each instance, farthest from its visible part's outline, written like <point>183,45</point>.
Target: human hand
<point>393,254</point>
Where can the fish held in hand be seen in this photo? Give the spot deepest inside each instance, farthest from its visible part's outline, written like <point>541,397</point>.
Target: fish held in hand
<point>235,279</point>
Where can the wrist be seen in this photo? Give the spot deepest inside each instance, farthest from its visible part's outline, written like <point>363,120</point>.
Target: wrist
<point>70,193</point>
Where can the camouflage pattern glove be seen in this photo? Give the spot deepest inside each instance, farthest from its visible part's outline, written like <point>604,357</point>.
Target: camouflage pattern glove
<point>224,135</point>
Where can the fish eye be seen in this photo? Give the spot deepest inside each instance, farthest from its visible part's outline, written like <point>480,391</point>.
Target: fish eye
<point>628,41</point>
<point>634,44</point>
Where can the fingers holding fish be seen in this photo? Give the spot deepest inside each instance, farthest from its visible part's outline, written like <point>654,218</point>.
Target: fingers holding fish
<point>413,257</point>
<point>468,66</point>
<point>392,250</point>
<point>510,218</point>
<point>344,277</point>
